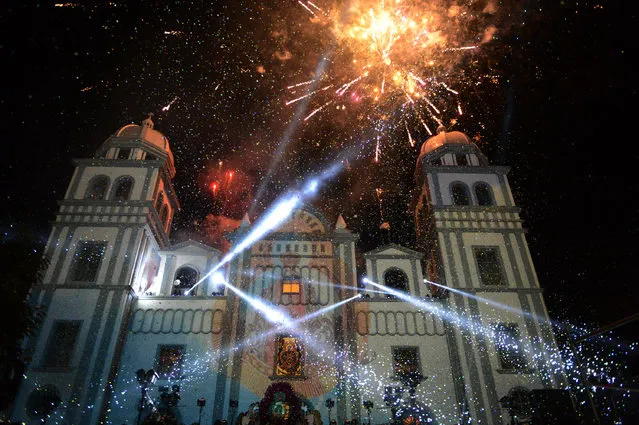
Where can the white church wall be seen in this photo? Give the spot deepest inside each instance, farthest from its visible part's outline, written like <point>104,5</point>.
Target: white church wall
<point>118,277</point>
<point>57,251</point>
<point>66,304</point>
<point>491,317</point>
<point>376,372</point>
<point>197,325</point>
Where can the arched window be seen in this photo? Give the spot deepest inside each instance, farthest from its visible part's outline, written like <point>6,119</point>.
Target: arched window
<point>97,188</point>
<point>159,202</point>
<point>460,194</point>
<point>123,186</point>
<point>164,214</point>
<point>484,194</point>
<point>185,278</point>
<point>396,279</point>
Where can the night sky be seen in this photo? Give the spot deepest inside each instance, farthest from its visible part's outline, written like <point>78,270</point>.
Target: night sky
<point>558,111</point>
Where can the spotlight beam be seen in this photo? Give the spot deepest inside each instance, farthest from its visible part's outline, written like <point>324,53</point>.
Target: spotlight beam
<point>275,216</point>
<point>270,313</point>
<point>473,326</point>
<point>505,307</point>
<point>281,325</point>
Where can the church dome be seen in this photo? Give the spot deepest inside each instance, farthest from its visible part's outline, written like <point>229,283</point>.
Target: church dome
<point>146,133</point>
<point>152,136</point>
<point>442,138</point>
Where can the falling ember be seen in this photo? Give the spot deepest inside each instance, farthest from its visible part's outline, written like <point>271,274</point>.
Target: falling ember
<point>378,151</point>
<point>459,109</point>
<point>214,187</point>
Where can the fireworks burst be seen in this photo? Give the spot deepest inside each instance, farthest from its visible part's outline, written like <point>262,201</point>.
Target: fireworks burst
<point>397,63</point>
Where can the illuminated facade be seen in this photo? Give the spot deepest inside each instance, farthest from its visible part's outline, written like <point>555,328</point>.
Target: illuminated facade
<point>120,298</point>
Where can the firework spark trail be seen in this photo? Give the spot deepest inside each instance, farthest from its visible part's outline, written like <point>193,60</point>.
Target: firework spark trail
<point>312,4</point>
<point>345,87</point>
<point>284,140</point>
<point>308,94</point>
<point>167,107</point>
<point>410,138</point>
<point>305,83</point>
<point>317,110</point>
<point>448,88</point>
<point>386,49</point>
<point>306,7</point>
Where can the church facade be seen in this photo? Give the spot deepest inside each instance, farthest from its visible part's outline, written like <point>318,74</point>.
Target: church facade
<point>135,323</point>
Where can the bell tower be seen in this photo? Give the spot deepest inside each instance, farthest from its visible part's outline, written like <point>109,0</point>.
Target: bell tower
<point>470,230</point>
<point>103,250</point>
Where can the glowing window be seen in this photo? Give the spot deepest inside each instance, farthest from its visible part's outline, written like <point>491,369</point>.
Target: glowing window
<point>290,287</point>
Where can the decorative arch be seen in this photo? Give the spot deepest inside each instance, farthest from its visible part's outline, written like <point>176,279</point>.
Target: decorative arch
<point>122,188</point>
<point>184,279</point>
<point>396,279</point>
<point>97,188</point>
<point>484,194</point>
<point>460,193</point>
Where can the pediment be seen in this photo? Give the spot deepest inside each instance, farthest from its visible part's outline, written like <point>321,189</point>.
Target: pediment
<point>192,247</point>
<point>394,250</point>
<point>303,221</point>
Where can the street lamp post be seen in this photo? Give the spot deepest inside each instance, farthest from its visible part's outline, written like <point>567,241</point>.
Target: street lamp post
<point>412,379</point>
<point>201,402</point>
<point>368,405</point>
<point>329,405</point>
<point>145,378</point>
<point>392,398</point>
<point>233,406</point>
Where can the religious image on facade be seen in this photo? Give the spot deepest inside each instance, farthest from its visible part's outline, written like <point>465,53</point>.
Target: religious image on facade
<point>140,330</point>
